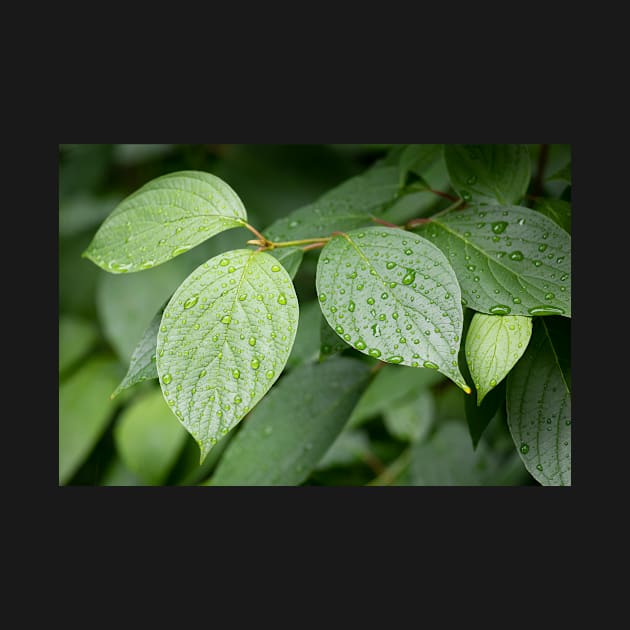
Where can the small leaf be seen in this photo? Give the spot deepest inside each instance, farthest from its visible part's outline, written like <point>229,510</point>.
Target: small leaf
<point>76,338</point>
<point>330,343</point>
<point>394,297</point>
<point>391,386</point>
<point>479,415</point>
<point>351,445</point>
<point>563,175</point>
<point>448,459</point>
<point>142,365</point>
<point>411,419</point>
<point>417,158</point>
<point>539,406</point>
<point>287,434</point>
<point>508,259</point>
<point>494,344</point>
<point>84,412</point>
<point>306,345</point>
<point>557,210</point>
<point>165,218</point>
<point>148,438</point>
<point>224,339</point>
<point>489,172</point>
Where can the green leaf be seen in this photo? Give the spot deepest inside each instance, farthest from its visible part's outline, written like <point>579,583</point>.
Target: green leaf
<point>330,343</point>
<point>448,459</point>
<point>393,296</point>
<point>478,416</point>
<point>489,172</point>
<point>349,205</point>
<point>557,210</point>
<point>142,365</point>
<point>351,445</point>
<point>127,302</point>
<point>412,419</point>
<point>117,474</point>
<point>539,406</point>
<point>508,259</point>
<point>563,175</point>
<point>306,345</point>
<point>84,412</point>
<point>224,339</point>
<point>149,438</point>
<point>287,434</point>
<point>417,158</point>
<point>163,219</point>
<point>76,338</point>
<point>494,344</point>
<point>391,386</point>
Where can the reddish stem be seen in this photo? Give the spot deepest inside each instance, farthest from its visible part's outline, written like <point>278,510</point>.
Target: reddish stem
<point>312,246</point>
<point>383,222</point>
<point>420,221</point>
<point>441,194</point>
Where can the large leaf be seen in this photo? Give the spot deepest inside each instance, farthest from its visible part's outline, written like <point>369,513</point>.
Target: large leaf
<point>391,386</point>
<point>76,338</point>
<point>557,210</point>
<point>508,259</point>
<point>127,302</point>
<point>393,296</point>
<point>148,438</point>
<point>539,405</point>
<point>224,339</point>
<point>84,412</point>
<point>287,434</point>
<point>165,218</point>
<point>494,343</point>
<point>345,207</point>
<point>290,258</point>
<point>351,445</point>
<point>489,172</point>
<point>142,365</point>
<point>479,415</point>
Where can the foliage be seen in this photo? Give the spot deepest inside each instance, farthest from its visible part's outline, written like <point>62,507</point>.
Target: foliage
<point>385,332</point>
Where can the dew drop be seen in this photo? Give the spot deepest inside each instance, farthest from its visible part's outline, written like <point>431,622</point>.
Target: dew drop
<point>430,365</point>
<point>549,296</point>
<point>224,262</point>
<point>252,341</point>
<point>395,359</point>
<point>374,352</point>
<point>269,373</point>
<point>516,255</point>
<point>408,252</point>
<point>370,300</point>
<point>539,467</point>
<point>409,277</point>
<point>190,302</point>
<point>275,268</point>
<point>384,296</point>
<point>516,300</point>
<point>390,265</point>
<point>524,448</point>
<point>545,310</point>
<point>351,306</point>
<point>282,299</point>
<point>180,250</point>
<point>542,248</point>
<point>360,344</point>
<point>500,309</point>
<point>167,379</point>
<point>226,319</point>
<point>255,363</point>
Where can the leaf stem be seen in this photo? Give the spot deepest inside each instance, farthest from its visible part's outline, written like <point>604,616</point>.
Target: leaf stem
<point>304,241</point>
<point>255,232</point>
<point>439,193</point>
<point>389,475</point>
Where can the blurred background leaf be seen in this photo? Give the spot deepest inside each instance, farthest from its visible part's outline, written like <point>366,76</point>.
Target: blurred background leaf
<point>409,425</point>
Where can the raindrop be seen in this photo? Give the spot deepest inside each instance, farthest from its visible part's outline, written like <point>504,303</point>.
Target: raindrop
<point>322,297</point>
<point>545,310</point>
<point>236,373</point>
<point>395,359</point>
<point>408,252</point>
<point>282,299</point>
<point>360,344</point>
<point>167,379</point>
<point>351,306</point>
<point>269,373</point>
<point>224,262</point>
<point>549,296</point>
<point>226,319</point>
<point>499,227</point>
<point>390,265</point>
<point>431,366</point>
<point>255,363</point>
<point>409,277</point>
<point>374,352</point>
<point>516,255</point>
<point>275,268</point>
<point>524,448</point>
<point>370,300</point>
<point>190,302</point>
<point>500,309</point>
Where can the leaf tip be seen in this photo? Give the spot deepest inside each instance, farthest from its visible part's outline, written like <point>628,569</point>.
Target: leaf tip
<point>467,389</point>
